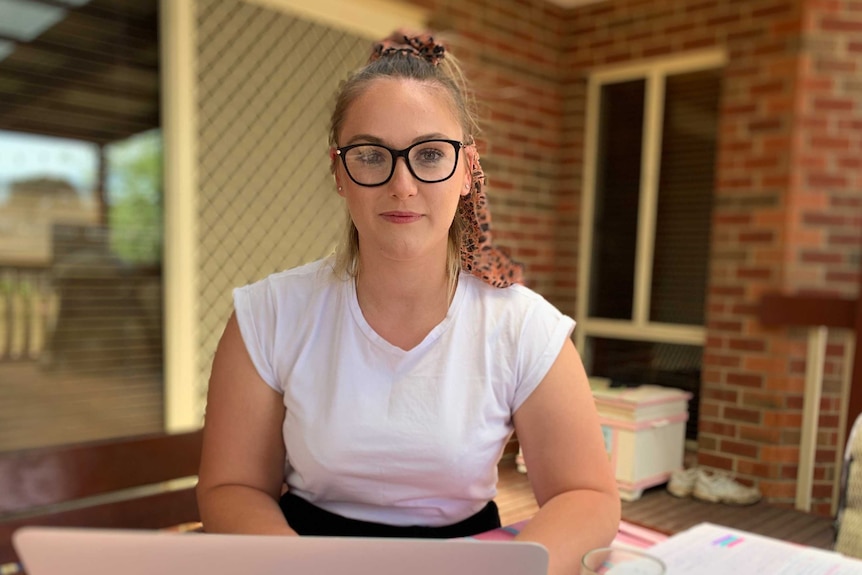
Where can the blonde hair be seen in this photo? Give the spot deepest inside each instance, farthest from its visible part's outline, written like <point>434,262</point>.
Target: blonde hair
<point>446,75</point>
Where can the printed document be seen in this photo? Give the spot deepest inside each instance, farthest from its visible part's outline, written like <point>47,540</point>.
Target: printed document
<point>709,549</point>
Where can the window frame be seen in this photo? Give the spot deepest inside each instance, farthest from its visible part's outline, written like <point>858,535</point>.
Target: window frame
<point>639,328</point>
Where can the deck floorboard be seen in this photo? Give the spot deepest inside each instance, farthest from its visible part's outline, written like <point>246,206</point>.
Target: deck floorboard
<point>658,510</point>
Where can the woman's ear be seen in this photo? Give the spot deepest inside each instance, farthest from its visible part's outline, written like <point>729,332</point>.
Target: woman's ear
<point>333,167</point>
<point>468,175</point>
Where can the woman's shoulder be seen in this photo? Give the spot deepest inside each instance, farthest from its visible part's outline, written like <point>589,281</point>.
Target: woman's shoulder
<point>307,277</point>
<point>516,304</point>
<point>514,294</point>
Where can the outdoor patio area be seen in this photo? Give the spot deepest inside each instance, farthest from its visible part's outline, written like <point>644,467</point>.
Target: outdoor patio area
<point>660,511</point>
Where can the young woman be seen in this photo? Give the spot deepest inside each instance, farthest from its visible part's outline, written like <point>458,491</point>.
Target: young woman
<point>372,392</point>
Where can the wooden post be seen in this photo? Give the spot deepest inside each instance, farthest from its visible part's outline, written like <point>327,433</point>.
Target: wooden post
<point>810,311</point>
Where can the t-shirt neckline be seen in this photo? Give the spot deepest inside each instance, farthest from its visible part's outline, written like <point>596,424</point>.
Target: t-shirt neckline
<point>430,338</point>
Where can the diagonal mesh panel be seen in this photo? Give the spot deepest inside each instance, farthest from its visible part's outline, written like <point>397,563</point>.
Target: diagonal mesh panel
<point>266,83</point>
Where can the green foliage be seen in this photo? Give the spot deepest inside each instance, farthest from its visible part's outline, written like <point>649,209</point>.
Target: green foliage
<point>135,198</point>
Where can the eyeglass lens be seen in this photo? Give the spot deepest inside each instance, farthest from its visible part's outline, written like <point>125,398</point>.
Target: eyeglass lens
<point>431,161</point>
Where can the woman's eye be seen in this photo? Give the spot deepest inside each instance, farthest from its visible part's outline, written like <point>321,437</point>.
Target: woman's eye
<point>369,157</point>
<point>429,155</point>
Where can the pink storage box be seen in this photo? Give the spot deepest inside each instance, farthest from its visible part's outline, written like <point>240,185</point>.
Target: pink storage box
<point>644,432</point>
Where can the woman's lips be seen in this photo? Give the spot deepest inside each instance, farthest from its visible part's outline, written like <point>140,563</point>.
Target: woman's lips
<point>401,217</point>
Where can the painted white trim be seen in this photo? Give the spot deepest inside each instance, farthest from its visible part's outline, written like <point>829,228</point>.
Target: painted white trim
<point>817,337</point>
<point>588,195</point>
<point>655,71</point>
<point>658,332</point>
<point>179,129</point>
<point>648,201</point>
<point>676,64</point>
<point>373,19</point>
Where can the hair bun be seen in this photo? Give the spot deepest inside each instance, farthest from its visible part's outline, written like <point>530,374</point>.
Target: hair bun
<point>403,43</point>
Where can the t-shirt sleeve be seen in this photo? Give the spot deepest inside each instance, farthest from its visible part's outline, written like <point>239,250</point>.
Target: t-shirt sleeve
<point>255,315</point>
<point>544,331</point>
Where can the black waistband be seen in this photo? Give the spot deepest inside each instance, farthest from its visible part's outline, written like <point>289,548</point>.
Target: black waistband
<point>308,519</point>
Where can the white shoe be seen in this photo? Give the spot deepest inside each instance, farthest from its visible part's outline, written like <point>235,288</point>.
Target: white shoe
<point>721,488</point>
<point>519,462</point>
<point>682,482</point>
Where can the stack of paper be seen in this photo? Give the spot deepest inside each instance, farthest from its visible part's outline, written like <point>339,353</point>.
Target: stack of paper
<point>708,549</point>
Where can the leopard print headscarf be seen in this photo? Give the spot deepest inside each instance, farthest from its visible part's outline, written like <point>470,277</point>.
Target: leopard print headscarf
<point>479,256</point>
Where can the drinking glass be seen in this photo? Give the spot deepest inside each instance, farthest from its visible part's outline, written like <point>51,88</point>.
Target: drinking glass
<point>618,561</point>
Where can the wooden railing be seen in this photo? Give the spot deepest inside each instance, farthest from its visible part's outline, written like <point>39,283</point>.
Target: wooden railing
<point>134,482</point>
<point>28,308</point>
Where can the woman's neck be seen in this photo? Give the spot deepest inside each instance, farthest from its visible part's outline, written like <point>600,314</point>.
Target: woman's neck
<point>414,283</point>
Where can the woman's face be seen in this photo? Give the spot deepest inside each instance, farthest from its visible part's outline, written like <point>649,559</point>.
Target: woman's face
<point>403,219</point>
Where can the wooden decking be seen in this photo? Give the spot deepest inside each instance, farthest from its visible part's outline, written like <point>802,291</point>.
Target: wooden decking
<point>660,511</point>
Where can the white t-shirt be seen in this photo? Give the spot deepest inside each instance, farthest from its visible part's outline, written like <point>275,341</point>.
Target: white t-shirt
<point>377,433</point>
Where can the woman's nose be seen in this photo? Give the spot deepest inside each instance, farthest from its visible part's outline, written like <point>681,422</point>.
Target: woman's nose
<point>402,184</point>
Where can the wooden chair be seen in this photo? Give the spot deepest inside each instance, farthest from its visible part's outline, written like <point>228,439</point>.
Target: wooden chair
<point>143,482</point>
<point>848,524</point>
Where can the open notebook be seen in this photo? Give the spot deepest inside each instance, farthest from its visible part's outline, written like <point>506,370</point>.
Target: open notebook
<point>73,551</point>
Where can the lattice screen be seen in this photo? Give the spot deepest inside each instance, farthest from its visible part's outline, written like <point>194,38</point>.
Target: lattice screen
<point>267,200</point>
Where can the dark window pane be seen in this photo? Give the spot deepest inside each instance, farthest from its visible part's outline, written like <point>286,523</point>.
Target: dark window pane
<point>618,173</point>
<point>686,186</point>
<point>633,363</point>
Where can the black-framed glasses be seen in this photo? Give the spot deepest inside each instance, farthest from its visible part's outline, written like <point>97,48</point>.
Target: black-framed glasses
<point>372,165</point>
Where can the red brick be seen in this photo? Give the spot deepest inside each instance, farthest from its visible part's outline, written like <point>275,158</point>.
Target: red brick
<point>716,359</point>
<point>742,344</point>
<point>779,453</point>
<point>763,435</point>
<point>782,419</point>
<point>742,415</point>
<point>833,104</point>
<point>750,380</point>
<point>836,25</point>
<point>715,461</point>
<point>739,448</point>
<point>756,468</point>
<point>762,400</point>
<point>777,489</point>
<point>717,428</point>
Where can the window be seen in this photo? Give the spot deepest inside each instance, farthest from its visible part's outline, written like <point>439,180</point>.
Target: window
<point>80,222</point>
<point>648,193</point>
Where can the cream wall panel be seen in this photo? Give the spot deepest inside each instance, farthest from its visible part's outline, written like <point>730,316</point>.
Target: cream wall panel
<point>267,201</point>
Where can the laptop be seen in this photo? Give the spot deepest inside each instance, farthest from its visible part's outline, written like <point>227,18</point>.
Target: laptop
<point>85,551</point>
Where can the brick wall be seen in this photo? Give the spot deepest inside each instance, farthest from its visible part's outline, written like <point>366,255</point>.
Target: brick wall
<point>826,190</point>
<point>781,215</point>
<point>752,173</point>
<point>787,206</point>
<point>511,51</point>
<point>824,219</point>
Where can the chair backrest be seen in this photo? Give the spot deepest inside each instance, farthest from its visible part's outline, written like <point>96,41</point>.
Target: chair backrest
<point>848,538</point>
<point>143,482</point>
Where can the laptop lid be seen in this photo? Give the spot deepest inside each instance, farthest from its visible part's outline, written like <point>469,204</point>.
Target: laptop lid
<point>74,551</point>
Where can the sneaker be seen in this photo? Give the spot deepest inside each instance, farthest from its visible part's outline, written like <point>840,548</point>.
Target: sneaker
<point>519,462</point>
<point>721,488</point>
<point>682,482</point>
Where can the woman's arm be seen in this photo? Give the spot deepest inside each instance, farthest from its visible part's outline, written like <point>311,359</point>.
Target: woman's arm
<point>558,428</point>
<point>242,461</point>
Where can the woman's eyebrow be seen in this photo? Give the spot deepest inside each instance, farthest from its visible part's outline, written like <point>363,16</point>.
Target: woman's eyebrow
<point>369,139</point>
<point>434,136</point>
<point>365,139</point>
